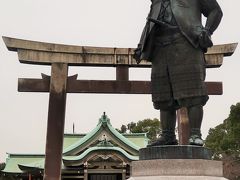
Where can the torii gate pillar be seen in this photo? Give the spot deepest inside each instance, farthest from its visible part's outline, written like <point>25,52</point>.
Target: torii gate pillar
<point>56,120</point>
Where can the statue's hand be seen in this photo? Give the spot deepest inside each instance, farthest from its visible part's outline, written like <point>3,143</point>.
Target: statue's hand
<point>205,40</point>
<point>137,54</point>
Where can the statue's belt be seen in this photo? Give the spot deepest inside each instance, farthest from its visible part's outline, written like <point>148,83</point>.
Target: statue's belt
<point>164,40</point>
<point>162,23</point>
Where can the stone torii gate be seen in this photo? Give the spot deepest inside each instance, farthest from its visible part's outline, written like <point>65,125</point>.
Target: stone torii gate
<point>60,57</point>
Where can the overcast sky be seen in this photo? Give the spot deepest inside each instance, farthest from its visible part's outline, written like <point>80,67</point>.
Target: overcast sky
<point>104,23</point>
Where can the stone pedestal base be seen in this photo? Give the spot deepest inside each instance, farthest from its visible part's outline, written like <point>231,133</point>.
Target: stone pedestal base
<point>177,178</point>
<point>170,163</point>
<point>177,169</point>
<point>175,152</point>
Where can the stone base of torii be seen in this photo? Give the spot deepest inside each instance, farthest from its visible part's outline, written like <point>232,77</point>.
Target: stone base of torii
<point>60,57</point>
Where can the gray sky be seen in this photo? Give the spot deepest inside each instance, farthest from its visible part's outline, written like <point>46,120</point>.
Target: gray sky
<point>105,23</point>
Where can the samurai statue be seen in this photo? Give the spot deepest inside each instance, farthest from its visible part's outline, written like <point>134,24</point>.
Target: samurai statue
<point>174,41</point>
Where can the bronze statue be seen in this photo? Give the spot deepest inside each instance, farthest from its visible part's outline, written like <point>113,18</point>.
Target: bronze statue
<point>175,40</point>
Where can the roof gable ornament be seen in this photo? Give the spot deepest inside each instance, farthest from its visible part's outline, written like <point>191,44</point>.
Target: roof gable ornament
<point>104,120</point>
<point>105,143</point>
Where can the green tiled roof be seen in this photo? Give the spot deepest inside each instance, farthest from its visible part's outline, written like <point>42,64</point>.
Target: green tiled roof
<point>75,159</point>
<point>82,141</point>
<point>70,139</point>
<point>35,164</point>
<point>122,138</point>
<point>139,139</point>
<point>14,159</point>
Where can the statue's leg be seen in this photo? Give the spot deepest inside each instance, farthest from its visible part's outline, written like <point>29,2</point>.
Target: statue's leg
<point>195,115</point>
<point>168,123</point>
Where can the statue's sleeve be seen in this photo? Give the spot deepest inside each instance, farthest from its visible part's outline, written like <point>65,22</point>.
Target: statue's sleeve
<point>145,31</point>
<point>213,12</point>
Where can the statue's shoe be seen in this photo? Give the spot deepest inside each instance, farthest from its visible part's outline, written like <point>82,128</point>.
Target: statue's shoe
<point>195,140</point>
<point>164,141</point>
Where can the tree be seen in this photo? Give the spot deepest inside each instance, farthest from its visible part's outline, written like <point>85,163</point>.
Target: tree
<point>149,126</point>
<point>215,140</point>
<point>123,129</point>
<point>131,126</point>
<point>224,140</point>
<point>2,166</point>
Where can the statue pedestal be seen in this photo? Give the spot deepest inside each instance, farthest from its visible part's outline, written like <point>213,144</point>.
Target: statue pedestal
<point>176,162</point>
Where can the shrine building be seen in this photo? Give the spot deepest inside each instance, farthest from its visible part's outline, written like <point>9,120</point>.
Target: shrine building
<point>102,154</point>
